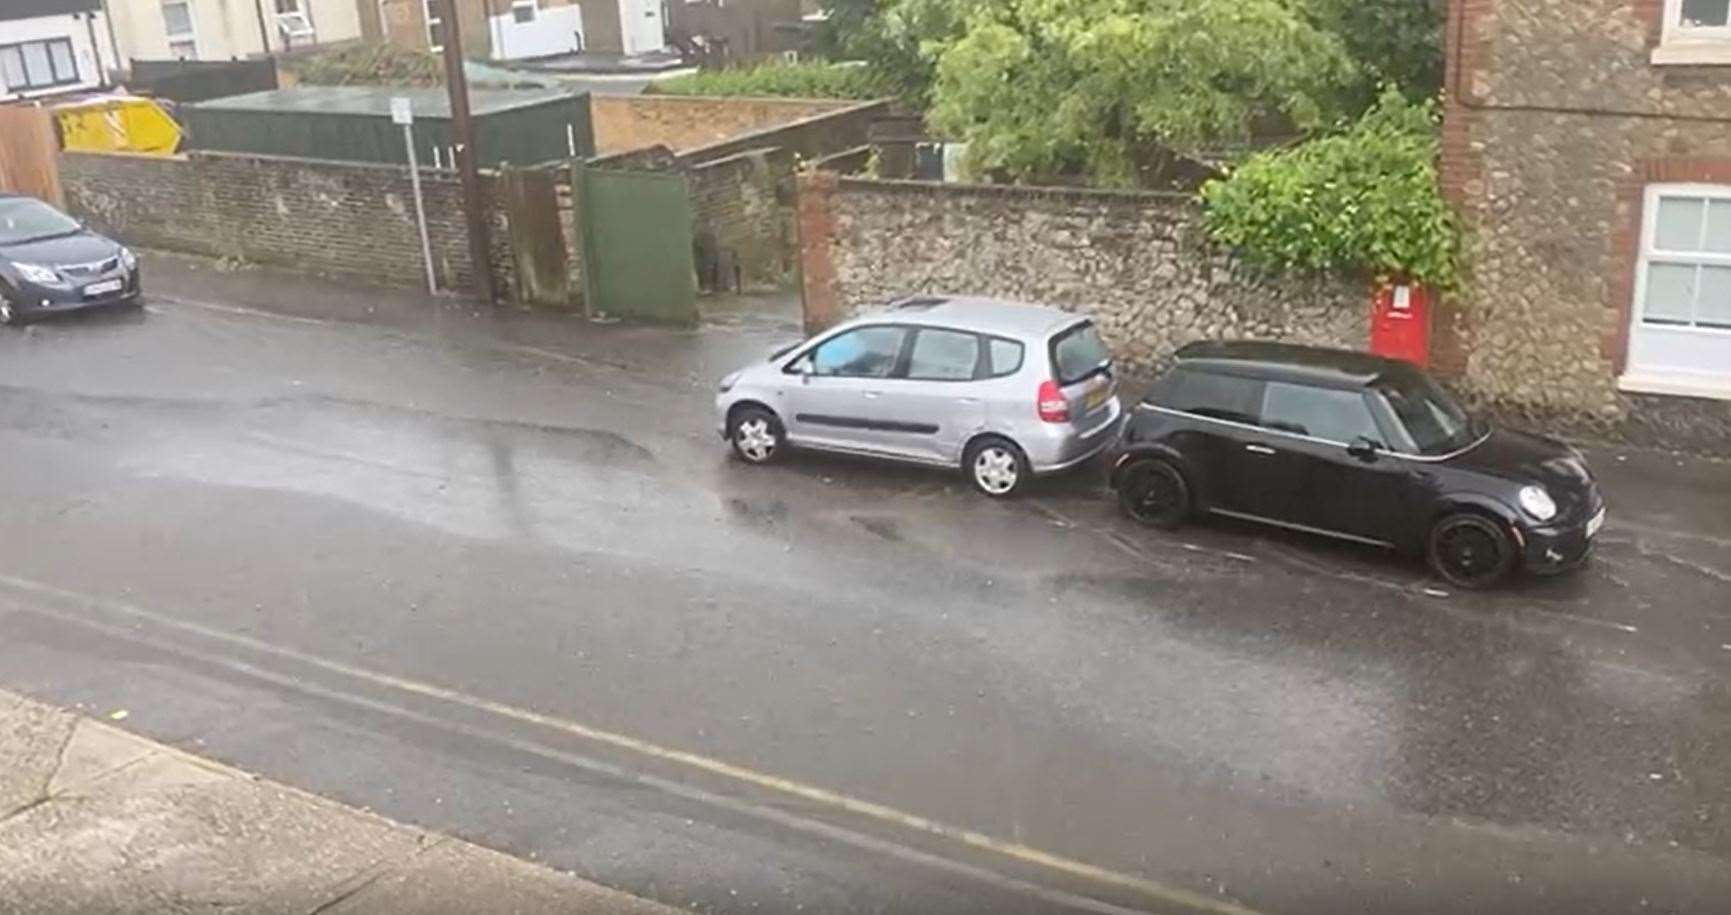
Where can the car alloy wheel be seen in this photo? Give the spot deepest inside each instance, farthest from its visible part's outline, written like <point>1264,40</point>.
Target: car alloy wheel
<point>756,435</point>
<point>1470,551</point>
<point>1154,493</point>
<point>996,467</point>
<point>7,315</point>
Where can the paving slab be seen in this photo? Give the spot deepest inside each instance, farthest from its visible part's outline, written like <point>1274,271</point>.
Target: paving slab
<point>98,821</point>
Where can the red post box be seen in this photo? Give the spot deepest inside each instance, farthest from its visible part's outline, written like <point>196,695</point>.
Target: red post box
<point>1400,323</point>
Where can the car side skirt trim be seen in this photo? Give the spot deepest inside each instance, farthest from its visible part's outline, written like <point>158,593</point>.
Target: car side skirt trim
<point>870,425</point>
<point>1245,516</point>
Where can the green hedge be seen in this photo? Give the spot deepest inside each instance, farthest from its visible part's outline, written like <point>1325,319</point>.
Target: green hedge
<point>789,80</point>
<point>1364,201</point>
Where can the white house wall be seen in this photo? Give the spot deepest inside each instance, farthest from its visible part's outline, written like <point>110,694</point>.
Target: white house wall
<point>225,29</point>
<point>554,31</point>
<point>94,59</point>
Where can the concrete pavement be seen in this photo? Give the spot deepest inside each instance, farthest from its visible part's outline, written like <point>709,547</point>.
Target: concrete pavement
<point>97,821</point>
<point>492,574</point>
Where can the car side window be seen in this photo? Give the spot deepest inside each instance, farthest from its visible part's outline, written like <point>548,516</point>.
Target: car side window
<point>1006,357</point>
<point>943,355</point>
<point>1226,397</point>
<point>1325,413</point>
<point>868,352</point>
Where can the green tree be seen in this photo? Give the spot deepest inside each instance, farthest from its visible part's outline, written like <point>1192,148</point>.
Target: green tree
<point>1396,42</point>
<point>1364,200</point>
<point>1110,89</point>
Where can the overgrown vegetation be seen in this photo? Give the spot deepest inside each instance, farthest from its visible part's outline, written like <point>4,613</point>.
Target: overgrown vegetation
<point>368,65</point>
<point>1110,89</point>
<point>791,80</point>
<point>1364,200</point>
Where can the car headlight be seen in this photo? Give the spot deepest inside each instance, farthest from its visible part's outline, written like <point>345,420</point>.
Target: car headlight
<point>127,258</point>
<point>1538,503</point>
<point>36,273</point>
<point>728,382</point>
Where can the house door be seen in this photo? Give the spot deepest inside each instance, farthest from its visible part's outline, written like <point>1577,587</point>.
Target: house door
<point>640,28</point>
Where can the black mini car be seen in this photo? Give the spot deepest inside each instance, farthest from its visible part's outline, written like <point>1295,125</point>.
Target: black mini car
<point>1357,447</point>
<point>49,263</point>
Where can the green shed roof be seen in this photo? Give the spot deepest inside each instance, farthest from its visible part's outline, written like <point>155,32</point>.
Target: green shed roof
<point>375,101</point>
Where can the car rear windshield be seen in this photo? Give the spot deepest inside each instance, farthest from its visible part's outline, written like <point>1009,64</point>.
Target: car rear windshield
<point>1435,421</point>
<point>23,219</point>
<point>1078,353</point>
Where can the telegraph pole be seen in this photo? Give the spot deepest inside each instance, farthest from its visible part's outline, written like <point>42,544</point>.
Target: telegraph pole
<point>463,132</point>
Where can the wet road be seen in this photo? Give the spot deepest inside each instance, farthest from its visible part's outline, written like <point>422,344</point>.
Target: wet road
<point>501,580</point>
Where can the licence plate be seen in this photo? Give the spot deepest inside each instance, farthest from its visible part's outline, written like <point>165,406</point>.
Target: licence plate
<point>104,287</point>
<point>1597,522</point>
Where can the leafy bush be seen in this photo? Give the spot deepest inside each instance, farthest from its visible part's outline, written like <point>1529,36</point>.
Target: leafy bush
<point>790,80</point>
<point>1364,201</point>
<point>368,65</point>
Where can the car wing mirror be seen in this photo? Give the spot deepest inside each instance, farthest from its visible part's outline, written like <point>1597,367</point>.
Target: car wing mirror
<point>1363,448</point>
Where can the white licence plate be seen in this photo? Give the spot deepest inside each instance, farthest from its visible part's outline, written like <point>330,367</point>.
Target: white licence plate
<point>1597,522</point>
<point>104,287</point>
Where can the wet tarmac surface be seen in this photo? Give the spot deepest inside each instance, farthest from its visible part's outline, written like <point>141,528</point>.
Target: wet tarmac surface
<point>499,578</point>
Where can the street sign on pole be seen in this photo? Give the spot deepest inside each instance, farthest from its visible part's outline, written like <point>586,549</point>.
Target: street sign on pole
<point>403,112</point>
<point>463,132</point>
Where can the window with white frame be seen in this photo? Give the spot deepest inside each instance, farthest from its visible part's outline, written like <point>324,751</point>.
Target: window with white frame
<point>177,25</point>
<point>294,23</point>
<point>1680,333</point>
<point>435,26</point>
<point>1696,32</point>
<point>33,65</point>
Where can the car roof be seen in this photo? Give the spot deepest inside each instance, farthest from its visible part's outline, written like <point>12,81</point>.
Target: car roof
<point>978,314</point>
<point>1317,365</point>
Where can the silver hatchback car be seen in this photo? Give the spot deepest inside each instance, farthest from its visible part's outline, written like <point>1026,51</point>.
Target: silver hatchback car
<point>1003,390</point>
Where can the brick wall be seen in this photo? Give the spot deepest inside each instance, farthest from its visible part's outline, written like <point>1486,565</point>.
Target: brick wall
<point>1137,262</point>
<point>341,219</point>
<point>738,206</point>
<point>1556,122</point>
<point>684,123</point>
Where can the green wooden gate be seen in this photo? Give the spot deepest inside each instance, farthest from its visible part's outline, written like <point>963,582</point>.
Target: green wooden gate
<point>636,240</point>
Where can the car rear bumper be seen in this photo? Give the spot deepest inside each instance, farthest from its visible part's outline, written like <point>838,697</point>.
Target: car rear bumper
<point>1557,549</point>
<point>1056,448</point>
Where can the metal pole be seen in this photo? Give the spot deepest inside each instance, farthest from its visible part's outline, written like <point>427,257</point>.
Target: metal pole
<point>463,130</point>
<point>420,208</point>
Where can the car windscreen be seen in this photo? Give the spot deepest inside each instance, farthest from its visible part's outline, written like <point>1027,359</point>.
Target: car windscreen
<point>23,219</point>
<point>1435,421</point>
<point>1078,353</point>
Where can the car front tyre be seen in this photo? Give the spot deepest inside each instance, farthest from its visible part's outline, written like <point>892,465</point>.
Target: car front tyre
<point>996,467</point>
<point>1470,551</point>
<point>756,435</point>
<point>1155,493</point>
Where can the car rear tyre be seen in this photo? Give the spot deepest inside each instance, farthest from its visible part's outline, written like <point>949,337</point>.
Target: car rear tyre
<point>756,435</point>
<point>1470,551</point>
<point>1154,493</point>
<point>996,467</point>
<point>8,315</point>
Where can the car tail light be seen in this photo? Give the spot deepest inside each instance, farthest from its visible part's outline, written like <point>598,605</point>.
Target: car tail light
<point>1052,405</point>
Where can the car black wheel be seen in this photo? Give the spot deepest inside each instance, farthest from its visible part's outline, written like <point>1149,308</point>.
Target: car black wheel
<point>1154,493</point>
<point>756,435</point>
<point>1471,551</point>
<point>996,467</point>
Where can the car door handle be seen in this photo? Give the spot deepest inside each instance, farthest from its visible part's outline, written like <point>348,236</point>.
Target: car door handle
<point>872,394</point>
<point>968,400</point>
<point>1258,449</point>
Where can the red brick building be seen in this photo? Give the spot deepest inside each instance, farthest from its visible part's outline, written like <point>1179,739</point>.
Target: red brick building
<point>1587,148</point>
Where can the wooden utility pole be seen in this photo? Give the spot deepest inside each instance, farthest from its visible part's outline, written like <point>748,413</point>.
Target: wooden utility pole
<point>463,132</point>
